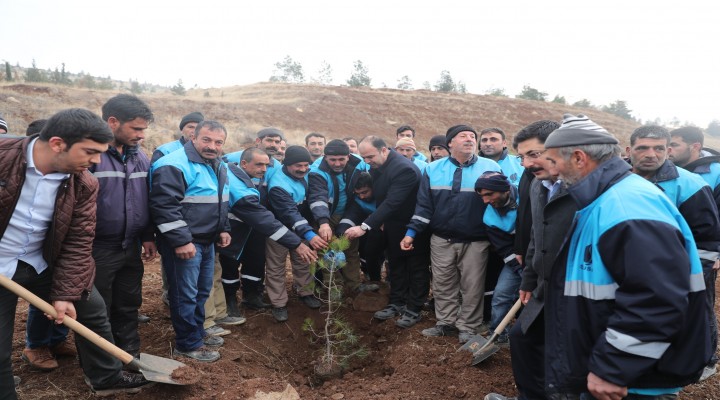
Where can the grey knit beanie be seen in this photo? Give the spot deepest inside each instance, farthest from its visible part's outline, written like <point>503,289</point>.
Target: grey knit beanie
<point>578,131</point>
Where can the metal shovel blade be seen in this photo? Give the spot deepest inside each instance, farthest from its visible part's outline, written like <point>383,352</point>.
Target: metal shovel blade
<point>484,352</point>
<point>160,369</point>
<point>474,343</point>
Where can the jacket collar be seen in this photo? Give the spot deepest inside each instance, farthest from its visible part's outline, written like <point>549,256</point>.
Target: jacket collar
<point>598,181</point>
<point>667,172</point>
<point>702,164</point>
<point>241,174</point>
<point>469,162</point>
<point>350,166</point>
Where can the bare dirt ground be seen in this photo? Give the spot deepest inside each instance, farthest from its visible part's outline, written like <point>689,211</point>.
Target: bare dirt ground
<point>263,355</point>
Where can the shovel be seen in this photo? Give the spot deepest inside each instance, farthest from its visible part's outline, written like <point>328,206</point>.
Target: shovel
<point>153,368</point>
<point>484,348</point>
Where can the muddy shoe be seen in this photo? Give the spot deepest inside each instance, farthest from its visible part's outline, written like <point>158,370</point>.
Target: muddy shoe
<point>391,311</point>
<point>231,320</point>
<point>129,383</point>
<point>311,301</point>
<point>280,314</point>
<point>367,287</point>
<point>214,341</point>
<point>63,349</point>
<point>40,358</point>
<point>495,396</point>
<point>254,301</point>
<point>143,319</point>
<point>217,330</point>
<point>408,319</point>
<point>708,372</point>
<point>465,336</point>
<point>202,354</point>
<point>440,330</point>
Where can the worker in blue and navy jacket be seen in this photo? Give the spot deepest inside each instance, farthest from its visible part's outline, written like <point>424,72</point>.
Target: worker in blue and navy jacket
<point>268,140</point>
<point>406,148</point>
<point>501,196</point>
<point>448,206</point>
<point>692,196</point>
<point>407,131</point>
<point>329,192</point>
<point>189,205</point>
<point>621,304</point>
<point>287,192</point>
<point>248,215</point>
<point>493,145</point>
<point>252,258</point>
<point>188,124</point>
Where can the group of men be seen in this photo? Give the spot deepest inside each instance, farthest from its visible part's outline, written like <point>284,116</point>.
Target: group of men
<point>616,270</point>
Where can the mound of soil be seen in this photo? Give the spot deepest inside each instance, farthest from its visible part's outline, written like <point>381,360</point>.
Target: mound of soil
<point>263,356</point>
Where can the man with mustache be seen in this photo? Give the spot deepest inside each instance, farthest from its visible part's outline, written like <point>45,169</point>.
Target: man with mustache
<point>448,207</point>
<point>252,279</point>
<point>493,145</point>
<point>189,204</point>
<point>46,239</point>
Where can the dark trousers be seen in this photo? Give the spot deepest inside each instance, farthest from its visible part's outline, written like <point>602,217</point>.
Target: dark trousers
<point>527,355</point>
<point>40,331</point>
<point>710,276</point>
<point>253,267</point>
<point>408,271</point>
<point>372,254</point>
<point>101,368</point>
<point>118,278</point>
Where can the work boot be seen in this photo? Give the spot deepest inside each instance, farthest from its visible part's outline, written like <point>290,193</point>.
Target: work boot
<point>214,341</point>
<point>232,304</point>
<point>408,319</point>
<point>254,301</point>
<point>311,301</point>
<point>128,383</point>
<point>280,314</point>
<point>391,311</point>
<point>63,349</point>
<point>202,354</point>
<point>40,358</point>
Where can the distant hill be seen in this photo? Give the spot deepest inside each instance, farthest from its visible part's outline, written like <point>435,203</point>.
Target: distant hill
<point>298,109</point>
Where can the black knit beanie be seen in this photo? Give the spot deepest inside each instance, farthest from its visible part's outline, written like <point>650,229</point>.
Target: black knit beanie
<point>196,117</point>
<point>337,147</point>
<point>296,154</point>
<point>492,180</point>
<point>438,140</point>
<point>453,131</point>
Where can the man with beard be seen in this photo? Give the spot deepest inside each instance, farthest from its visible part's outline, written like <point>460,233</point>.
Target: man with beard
<point>627,244</point>
<point>438,148</point>
<point>46,239</point>
<point>287,193</point>
<point>329,191</point>
<point>648,152</point>
<point>448,207</point>
<point>395,184</point>
<point>492,145</point>
<point>189,204</point>
<point>124,235</point>
<point>548,215</point>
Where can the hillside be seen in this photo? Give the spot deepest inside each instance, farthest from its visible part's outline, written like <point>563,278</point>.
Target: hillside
<point>300,109</point>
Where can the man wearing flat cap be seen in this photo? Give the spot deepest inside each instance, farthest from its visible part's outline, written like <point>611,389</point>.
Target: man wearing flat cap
<point>627,282</point>
<point>406,147</point>
<point>448,207</point>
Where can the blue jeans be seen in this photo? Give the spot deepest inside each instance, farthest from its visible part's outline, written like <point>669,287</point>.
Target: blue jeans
<point>189,284</point>
<point>504,295</point>
<point>41,331</point>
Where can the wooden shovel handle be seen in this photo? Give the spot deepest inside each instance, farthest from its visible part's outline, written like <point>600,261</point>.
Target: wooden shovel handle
<point>508,317</point>
<point>77,327</point>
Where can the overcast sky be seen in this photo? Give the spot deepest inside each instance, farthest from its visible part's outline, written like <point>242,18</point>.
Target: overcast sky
<point>661,57</point>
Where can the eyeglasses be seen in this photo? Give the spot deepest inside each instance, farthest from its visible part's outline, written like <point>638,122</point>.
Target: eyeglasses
<point>533,155</point>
